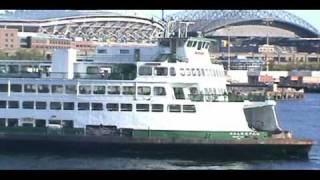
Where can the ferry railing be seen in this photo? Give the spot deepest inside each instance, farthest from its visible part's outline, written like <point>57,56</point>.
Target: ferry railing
<point>104,76</point>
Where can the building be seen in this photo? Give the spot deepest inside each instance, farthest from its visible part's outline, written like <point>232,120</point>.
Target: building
<point>9,39</point>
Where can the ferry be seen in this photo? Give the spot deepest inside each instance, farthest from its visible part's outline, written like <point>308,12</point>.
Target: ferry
<point>165,98</point>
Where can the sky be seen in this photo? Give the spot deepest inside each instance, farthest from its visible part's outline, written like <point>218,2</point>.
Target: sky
<point>311,16</point>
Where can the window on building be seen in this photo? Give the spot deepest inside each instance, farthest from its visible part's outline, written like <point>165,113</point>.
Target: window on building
<point>16,88</point>
<point>159,91</point>
<point>142,107</point>
<point>28,104</point>
<point>172,71</point>
<point>2,122</point>
<point>144,90</point>
<point>41,105</point>
<point>99,90</point>
<point>3,87</point>
<point>68,106</point>
<point>96,106</point>
<point>57,89</point>
<point>157,107</point>
<point>112,107</point>
<point>3,104</point>
<point>6,40</point>
<point>11,46</point>
<point>12,122</point>
<point>174,108</point>
<point>7,34</point>
<point>124,51</point>
<point>43,88</point>
<point>189,108</point>
<point>145,71</point>
<point>126,107</point>
<point>55,105</point>
<point>160,71</point>
<point>71,89</point>
<point>128,90</point>
<point>13,104</point>
<point>30,88</point>
<point>113,89</point>
<point>83,106</point>
<point>85,89</point>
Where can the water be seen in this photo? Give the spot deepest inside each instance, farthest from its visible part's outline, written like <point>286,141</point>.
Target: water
<point>302,117</point>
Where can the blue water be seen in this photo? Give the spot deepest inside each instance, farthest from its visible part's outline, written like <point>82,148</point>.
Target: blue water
<point>302,117</point>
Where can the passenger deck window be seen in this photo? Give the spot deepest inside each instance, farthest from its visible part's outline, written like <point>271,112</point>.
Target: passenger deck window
<point>55,106</point>
<point>194,44</point>
<point>57,89</point>
<point>71,89</point>
<point>126,107</point>
<point>12,122</point>
<point>99,90</point>
<point>142,107</point>
<point>68,106</point>
<point>145,71</point>
<point>85,89</point>
<point>67,123</point>
<point>41,105</point>
<point>199,46</point>
<point>3,87</point>
<point>172,71</point>
<point>189,108</point>
<point>189,44</point>
<point>144,90</point>
<point>3,104</point>
<point>178,92</point>
<point>29,88</point>
<point>113,89</point>
<point>157,107</point>
<point>174,108</point>
<point>13,104</point>
<point>83,106</point>
<point>96,106</point>
<point>112,107</point>
<point>128,90</point>
<point>16,87</point>
<point>2,122</point>
<point>161,71</point>
<point>43,88</point>
<point>28,104</point>
<point>159,91</point>
<point>40,123</point>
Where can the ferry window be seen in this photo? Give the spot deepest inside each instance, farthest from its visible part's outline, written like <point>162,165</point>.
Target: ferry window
<point>145,71</point>
<point>16,87</point>
<point>40,123</point>
<point>57,89</point>
<point>56,122</point>
<point>29,88</point>
<point>144,90</point>
<point>83,106</point>
<point>96,106</point>
<point>124,51</point>
<point>99,89</point>
<point>13,68</point>
<point>207,45</point>
<point>68,106</point>
<point>3,87</point>
<point>182,71</point>
<point>85,89</point>
<point>199,45</point>
<point>71,89</point>
<point>142,107</point>
<point>2,122</point>
<point>188,71</point>
<point>126,107</point>
<point>55,105</point>
<point>26,68</point>
<point>102,51</point>
<point>12,122</point>
<point>13,104</point>
<point>92,70</point>
<point>112,107</point>
<point>3,69</point>
<point>27,105</point>
<point>165,43</point>
<point>42,88</point>
<point>113,89</point>
<point>3,104</point>
<point>157,107</point>
<point>172,71</point>
<point>189,44</point>
<point>202,71</point>
<point>189,108</point>
<point>194,44</point>
<point>178,92</point>
<point>41,105</point>
<point>67,123</point>
<point>199,73</point>
<point>159,91</point>
<point>160,71</point>
<point>128,90</point>
<point>174,108</point>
